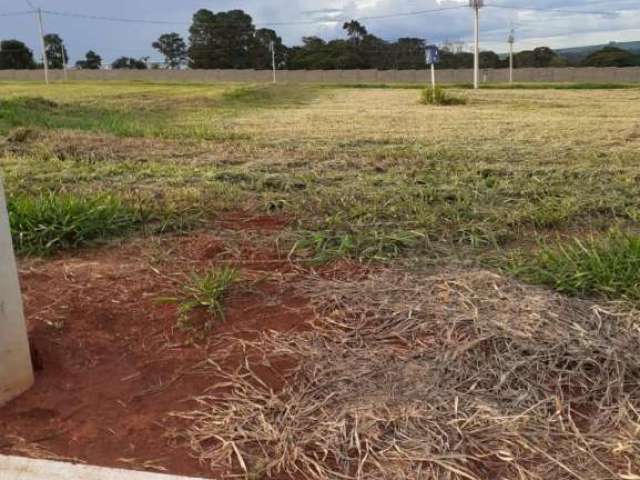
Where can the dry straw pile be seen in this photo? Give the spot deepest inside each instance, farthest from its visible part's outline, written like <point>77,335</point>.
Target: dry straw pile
<point>459,375</point>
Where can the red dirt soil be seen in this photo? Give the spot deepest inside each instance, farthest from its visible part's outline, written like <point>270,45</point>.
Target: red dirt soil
<point>114,365</point>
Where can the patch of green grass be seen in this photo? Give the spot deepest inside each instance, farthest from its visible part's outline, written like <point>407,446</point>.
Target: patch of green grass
<point>489,86</point>
<point>374,86</point>
<point>550,86</point>
<point>437,96</point>
<point>43,224</point>
<point>39,112</point>
<point>607,266</point>
<point>355,168</point>
<point>263,96</point>
<point>367,244</point>
<point>137,114</point>
<point>205,292</point>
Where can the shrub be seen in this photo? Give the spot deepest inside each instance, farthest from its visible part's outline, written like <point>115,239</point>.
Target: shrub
<point>437,96</point>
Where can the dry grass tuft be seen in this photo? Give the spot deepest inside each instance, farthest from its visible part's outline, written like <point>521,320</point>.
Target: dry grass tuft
<point>462,375</point>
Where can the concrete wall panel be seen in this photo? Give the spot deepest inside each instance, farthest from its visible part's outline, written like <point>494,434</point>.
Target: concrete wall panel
<point>596,75</point>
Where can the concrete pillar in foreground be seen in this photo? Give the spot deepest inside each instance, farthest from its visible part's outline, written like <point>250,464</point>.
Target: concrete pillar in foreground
<point>16,372</point>
<point>14,468</point>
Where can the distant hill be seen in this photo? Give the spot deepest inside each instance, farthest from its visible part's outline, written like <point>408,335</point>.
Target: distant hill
<point>577,54</point>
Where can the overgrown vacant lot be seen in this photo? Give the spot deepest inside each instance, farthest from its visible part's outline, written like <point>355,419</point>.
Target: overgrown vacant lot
<point>319,200</point>
<point>368,173</point>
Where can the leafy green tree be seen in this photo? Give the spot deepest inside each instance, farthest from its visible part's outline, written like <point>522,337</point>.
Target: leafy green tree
<point>612,57</point>
<point>540,57</point>
<point>92,61</point>
<point>543,56</point>
<point>313,54</point>
<point>260,53</point>
<point>489,59</point>
<point>409,53</point>
<point>56,52</point>
<point>377,52</point>
<point>451,60</point>
<point>128,63</point>
<point>346,55</point>
<point>174,49</point>
<point>15,55</point>
<point>355,31</point>
<point>221,40</point>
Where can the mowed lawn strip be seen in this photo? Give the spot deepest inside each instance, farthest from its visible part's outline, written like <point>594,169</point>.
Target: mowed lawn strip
<point>369,173</point>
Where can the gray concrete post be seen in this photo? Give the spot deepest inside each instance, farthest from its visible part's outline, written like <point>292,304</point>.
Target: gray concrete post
<point>16,372</point>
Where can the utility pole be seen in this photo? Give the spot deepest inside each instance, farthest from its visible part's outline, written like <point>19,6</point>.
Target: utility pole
<point>272,47</point>
<point>64,62</point>
<point>433,76</point>
<point>476,5</point>
<point>45,60</point>
<point>512,39</point>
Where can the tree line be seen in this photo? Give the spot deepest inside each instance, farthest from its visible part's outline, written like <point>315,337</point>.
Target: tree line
<point>230,40</point>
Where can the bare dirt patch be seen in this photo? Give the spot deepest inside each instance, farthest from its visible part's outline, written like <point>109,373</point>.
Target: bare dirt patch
<point>331,372</point>
<point>113,365</point>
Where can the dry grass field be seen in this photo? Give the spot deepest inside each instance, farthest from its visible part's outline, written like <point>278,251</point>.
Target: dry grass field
<point>317,282</point>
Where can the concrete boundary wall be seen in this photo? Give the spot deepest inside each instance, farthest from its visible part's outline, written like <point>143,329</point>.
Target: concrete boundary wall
<point>590,74</point>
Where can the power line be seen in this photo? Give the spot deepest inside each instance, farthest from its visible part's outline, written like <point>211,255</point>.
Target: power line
<point>274,23</point>
<point>112,19</point>
<point>309,22</point>
<point>17,14</point>
<point>372,17</point>
<point>555,10</point>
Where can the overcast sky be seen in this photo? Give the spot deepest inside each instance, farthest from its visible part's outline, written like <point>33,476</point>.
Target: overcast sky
<point>533,28</point>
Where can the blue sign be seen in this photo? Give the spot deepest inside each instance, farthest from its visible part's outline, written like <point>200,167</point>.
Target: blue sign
<point>433,55</point>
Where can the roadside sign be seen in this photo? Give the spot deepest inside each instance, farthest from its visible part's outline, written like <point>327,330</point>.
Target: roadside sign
<point>432,54</point>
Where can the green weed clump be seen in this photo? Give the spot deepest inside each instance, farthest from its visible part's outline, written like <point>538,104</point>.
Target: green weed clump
<point>41,225</point>
<point>363,245</point>
<point>205,292</point>
<point>437,96</point>
<point>608,267</point>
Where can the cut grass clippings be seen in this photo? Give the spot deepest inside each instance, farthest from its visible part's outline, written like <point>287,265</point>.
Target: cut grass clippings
<point>446,376</point>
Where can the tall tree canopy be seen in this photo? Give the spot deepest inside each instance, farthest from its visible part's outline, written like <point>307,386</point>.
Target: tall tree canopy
<point>56,52</point>
<point>260,51</point>
<point>355,30</point>
<point>230,40</point>
<point>455,60</point>
<point>128,63</point>
<point>92,61</point>
<point>612,57</point>
<point>15,55</point>
<point>361,50</point>
<point>539,58</point>
<point>221,40</point>
<point>174,49</point>
<point>409,53</point>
